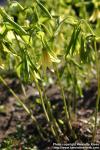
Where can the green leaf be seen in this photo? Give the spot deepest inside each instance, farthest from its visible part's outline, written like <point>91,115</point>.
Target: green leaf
<point>9,47</point>
<point>15,7</point>
<point>14,24</point>
<point>44,9</point>
<point>82,50</point>
<point>70,43</point>
<point>77,32</point>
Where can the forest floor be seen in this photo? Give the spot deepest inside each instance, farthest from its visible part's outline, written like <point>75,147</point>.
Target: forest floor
<point>17,127</point>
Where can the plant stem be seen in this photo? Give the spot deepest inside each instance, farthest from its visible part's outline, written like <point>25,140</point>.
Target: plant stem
<point>98,95</point>
<point>88,26</point>
<point>98,79</point>
<point>52,116</point>
<point>44,108</point>
<point>23,105</point>
<point>65,104</point>
<point>74,90</point>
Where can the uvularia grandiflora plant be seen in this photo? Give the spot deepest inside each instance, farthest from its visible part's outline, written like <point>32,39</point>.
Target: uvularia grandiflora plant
<point>40,42</point>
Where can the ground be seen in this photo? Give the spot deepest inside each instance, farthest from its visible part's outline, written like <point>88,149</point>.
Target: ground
<point>19,131</point>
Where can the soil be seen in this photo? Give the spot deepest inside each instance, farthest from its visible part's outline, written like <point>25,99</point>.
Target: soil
<point>17,126</point>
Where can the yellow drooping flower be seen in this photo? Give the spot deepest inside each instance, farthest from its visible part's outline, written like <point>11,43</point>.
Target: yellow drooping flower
<point>95,15</point>
<point>47,58</point>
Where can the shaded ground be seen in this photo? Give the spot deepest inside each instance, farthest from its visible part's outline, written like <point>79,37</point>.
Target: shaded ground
<point>18,130</point>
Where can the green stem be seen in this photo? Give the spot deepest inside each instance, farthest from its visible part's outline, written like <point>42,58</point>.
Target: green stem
<point>98,96</point>
<point>23,89</point>
<point>23,105</point>
<point>65,104</point>
<point>74,90</point>
<point>44,108</point>
<point>52,116</point>
<point>88,26</point>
